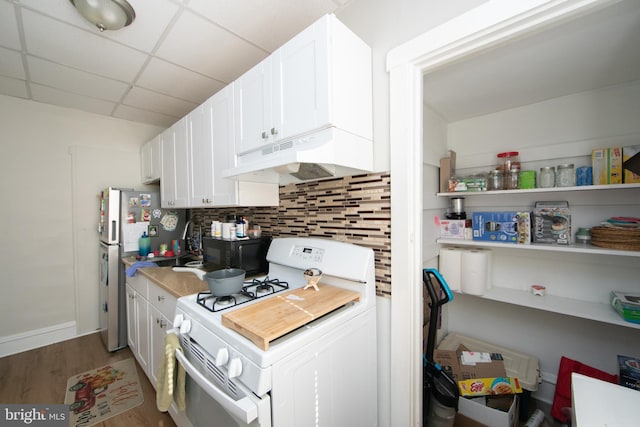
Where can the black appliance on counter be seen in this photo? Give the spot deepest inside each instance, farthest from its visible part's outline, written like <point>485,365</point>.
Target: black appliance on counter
<point>247,254</point>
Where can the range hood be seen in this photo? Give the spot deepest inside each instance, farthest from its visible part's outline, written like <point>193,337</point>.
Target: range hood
<point>325,154</point>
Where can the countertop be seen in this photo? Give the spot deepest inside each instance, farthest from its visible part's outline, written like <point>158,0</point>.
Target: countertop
<point>178,284</point>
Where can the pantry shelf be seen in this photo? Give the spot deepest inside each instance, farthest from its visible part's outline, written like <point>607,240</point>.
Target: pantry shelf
<point>597,311</point>
<point>540,190</point>
<point>589,249</point>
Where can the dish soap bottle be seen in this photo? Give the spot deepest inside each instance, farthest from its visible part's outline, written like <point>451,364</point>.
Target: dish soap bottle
<point>144,244</point>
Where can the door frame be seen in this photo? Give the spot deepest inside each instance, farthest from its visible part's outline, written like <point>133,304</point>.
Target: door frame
<point>489,25</point>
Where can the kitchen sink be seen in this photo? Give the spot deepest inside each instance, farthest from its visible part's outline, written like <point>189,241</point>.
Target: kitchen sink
<point>187,260</point>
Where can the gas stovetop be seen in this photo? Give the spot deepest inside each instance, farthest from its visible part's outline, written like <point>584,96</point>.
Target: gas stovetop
<point>254,289</point>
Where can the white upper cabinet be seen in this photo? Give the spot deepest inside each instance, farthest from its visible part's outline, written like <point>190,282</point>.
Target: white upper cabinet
<point>151,158</point>
<point>318,79</point>
<point>201,156</point>
<point>174,183</point>
<point>194,151</point>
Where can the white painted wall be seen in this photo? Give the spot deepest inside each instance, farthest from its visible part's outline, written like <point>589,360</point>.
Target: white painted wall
<point>39,278</point>
<point>383,25</point>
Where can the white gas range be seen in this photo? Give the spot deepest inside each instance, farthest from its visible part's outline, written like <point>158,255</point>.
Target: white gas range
<point>323,373</point>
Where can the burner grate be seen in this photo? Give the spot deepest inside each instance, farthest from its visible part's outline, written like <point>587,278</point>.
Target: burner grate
<point>254,289</point>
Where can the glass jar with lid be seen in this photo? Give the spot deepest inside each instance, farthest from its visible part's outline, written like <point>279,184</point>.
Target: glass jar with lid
<point>512,180</point>
<point>495,180</point>
<point>566,176</point>
<point>547,177</point>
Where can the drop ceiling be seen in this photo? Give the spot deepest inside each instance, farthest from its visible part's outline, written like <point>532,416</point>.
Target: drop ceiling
<point>174,56</point>
<point>588,53</point>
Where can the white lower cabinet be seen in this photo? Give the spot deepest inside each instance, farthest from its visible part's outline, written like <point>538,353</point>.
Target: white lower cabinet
<point>149,310</point>
<point>138,321</point>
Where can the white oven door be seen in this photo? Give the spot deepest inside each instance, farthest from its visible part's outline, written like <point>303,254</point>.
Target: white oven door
<point>208,405</point>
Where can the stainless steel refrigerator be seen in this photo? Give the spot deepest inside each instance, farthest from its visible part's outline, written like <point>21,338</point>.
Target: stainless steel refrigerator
<point>125,214</point>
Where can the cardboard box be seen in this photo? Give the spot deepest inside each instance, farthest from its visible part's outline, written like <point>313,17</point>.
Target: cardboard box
<point>488,410</point>
<point>455,228</point>
<point>607,165</point>
<point>447,170</point>
<point>505,227</point>
<point>451,362</point>
<point>631,164</point>
<point>629,372</point>
<point>552,223</point>
<point>615,165</point>
<point>485,410</point>
<point>600,166</point>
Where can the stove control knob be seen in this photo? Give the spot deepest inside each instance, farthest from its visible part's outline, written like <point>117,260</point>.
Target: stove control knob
<point>177,321</point>
<point>235,367</point>
<point>222,357</point>
<point>185,327</point>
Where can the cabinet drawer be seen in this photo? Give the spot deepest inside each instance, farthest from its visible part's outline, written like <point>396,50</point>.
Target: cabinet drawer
<point>140,284</point>
<point>162,300</point>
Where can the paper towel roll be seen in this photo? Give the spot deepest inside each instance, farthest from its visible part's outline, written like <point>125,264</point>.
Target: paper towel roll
<point>450,266</point>
<point>474,271</point>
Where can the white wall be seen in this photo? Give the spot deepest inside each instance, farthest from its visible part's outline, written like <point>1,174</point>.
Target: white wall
<point>39,277</point>
<point>383,25</point>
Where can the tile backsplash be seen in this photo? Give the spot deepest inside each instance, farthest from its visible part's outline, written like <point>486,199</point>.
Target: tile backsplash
<point>355,209</point>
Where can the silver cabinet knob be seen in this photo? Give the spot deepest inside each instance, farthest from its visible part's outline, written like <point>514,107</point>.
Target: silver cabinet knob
<point>274,131</point>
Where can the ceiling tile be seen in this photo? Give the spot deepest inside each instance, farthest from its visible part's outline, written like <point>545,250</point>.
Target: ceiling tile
<point>152,18</point>
<point>65,99</point>
<point>156,102</point>
<point>50,74</point>
<point>8,27</point>
<point>270,23</point>
<point>134,114</point>
<point>11,64</point>
<point>179,82</point>
<point>208,49</point>
<point>13,87</point>
<point>68,45</point>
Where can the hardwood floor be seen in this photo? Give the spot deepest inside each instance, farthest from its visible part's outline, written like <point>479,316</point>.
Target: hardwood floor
<point>40,376</point>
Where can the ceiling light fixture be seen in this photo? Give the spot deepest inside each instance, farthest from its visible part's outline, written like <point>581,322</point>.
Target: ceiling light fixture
<point>106,14</point>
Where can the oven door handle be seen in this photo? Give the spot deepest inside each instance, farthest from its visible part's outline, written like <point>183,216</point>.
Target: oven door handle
<point>244,409</point>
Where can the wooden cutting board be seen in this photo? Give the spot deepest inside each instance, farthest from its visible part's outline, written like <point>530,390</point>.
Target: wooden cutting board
<point>274,317</point>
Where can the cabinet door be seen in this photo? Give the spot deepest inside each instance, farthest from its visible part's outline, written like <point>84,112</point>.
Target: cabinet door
<point>201,154</point>
<point>150,160</point>
<point>300,83</point>
<point>174,185</point>
<point>252,105</point>
<point>225,191</point>
<point>142,330</point>
<point>132,326</point>
<point>159,325</point>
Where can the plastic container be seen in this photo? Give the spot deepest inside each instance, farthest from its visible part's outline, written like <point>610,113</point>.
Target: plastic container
<point>527,179</point>
<point>583,236</point>
<point>507,160</point>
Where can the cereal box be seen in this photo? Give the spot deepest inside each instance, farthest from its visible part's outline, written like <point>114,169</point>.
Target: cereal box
<point>489,386</point>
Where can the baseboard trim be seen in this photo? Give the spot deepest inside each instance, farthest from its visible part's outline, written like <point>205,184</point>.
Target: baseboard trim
<point>29,340</point>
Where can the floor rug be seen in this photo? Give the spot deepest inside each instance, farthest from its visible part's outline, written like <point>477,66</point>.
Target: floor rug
<point>102,393</point>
